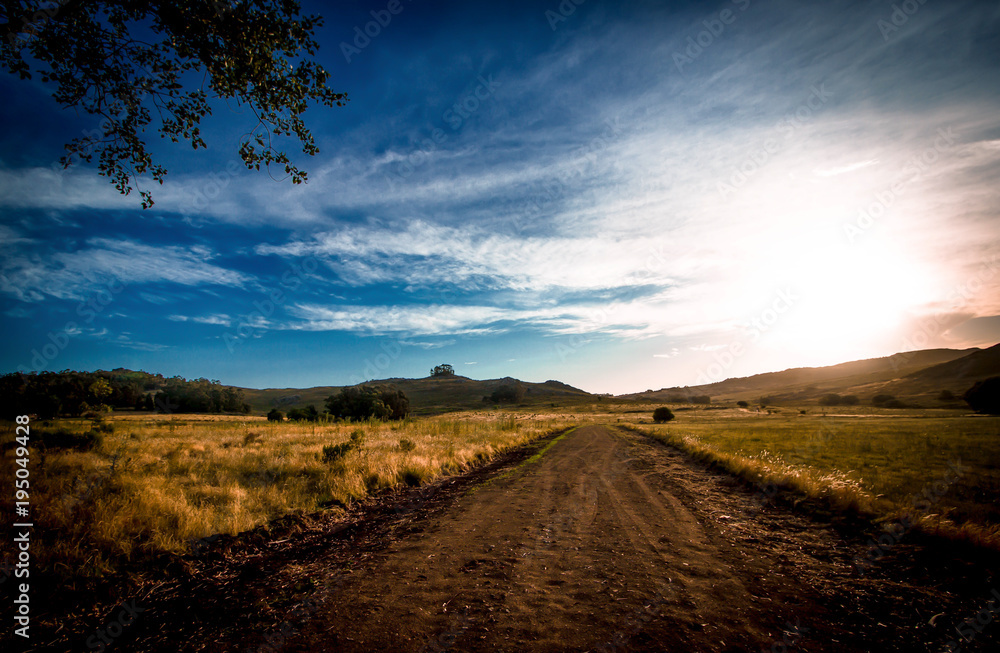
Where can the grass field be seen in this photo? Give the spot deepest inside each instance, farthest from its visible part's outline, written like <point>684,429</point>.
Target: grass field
<point>940,467</point>
<point>156,484</point>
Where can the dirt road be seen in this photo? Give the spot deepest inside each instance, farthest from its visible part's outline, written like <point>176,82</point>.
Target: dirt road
<point>597,540</point>
<point>606,542</point>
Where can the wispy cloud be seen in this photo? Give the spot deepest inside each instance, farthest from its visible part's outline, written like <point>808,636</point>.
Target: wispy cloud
<point>106,263</point>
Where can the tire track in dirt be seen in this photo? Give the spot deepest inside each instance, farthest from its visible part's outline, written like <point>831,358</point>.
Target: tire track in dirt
<point>573,552</point>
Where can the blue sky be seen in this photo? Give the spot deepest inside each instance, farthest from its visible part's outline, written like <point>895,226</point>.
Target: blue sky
<point>620,196</point>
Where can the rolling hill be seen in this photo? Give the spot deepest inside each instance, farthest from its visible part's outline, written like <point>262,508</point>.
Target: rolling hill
<point>917,376</point>
<point>432,394</point>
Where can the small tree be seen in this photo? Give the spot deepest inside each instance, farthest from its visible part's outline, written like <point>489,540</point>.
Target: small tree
<point>742,404</point>
<point>662,415</point>
<point>443,370</point>
<point>307,414</point>
<point>275,415</point>
<point>367,401</point>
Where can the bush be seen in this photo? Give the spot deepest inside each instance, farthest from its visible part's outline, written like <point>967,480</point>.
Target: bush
<point>307,414</point>
<point>369,401</point>
<point>834,399</point>
<point>662,415</point>
<point>334,452</point>
<point>984,396</point>
<point>62,438</point>
<point>881,400</point>
<point>275,415</point>
<point>742,404</point>
<point>406,445</point>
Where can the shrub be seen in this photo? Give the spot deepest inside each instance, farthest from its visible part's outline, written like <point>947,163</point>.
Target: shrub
<point>307,414</point>
<point>62,438</point>
<point>275,415</point>
<point>984,396</point>
<point>742,404</point>
<point>662,415</point>
<point>881,400</point>
<point>334,452</point>
<point>369,401</point>
<point>406,445</point>
<point>850,400</point>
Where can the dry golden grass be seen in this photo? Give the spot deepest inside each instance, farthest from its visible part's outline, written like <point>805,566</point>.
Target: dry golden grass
<point>936,469</point>
<point>158,483</point>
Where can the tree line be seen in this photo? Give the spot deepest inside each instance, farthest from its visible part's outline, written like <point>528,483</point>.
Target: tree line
<point>359,402</point>
<point>71,394</point>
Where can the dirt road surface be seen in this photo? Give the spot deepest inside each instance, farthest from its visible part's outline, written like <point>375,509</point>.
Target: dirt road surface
<point>608,541</point>
<point>599,539</point>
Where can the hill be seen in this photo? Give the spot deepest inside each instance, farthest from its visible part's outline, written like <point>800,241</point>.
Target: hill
<point>917,376</point>
<point>432,394</point>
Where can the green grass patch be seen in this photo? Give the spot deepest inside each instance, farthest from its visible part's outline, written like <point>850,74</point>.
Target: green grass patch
<point>943,471</point>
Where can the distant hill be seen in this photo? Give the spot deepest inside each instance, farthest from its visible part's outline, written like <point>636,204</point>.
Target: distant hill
<point>917,376</point>
<point>432,394</point>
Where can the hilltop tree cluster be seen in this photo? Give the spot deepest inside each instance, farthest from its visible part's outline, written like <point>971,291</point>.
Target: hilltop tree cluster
<point>443,370</point>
